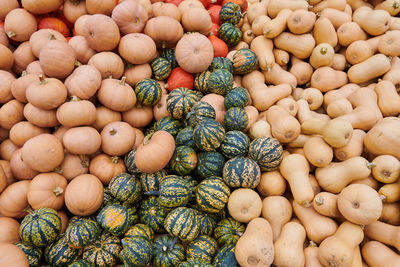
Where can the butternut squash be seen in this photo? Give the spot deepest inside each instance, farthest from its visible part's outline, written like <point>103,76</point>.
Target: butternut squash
<point>262,47</point>
<point>277,25</point>
<point>339,107</point>
<point>370,181</point>
<point>350,32</point>
<point>358,51</point>
<point>264,97</point>
<point>386,169</point>
<point>393,74</point>
<point>371,68</point>
<point>391,6</point>
<point>318,152</point>
<point>374,22</point>
<point>284,126</point>
<point>301,21</point>
<point>255,10</point>
<point>338,62</point>
<point>325,203</point>
<point>377,254</point>
<point>388,98</point>
<point>278,211</point>
<point>311,255</point>
<point>300,141</point>
<point>276,76</point>
<point>257,25</point>
<point>322,55</point>
<point>289,104</point>
<point>336,4</point>
<point>336,16</point>
<point>301,46</point>
<point>259,129</point>
<point>281,57</point>
<point>389,43</point>
<point>305,114</point>
<point>342,92</point>
<point>324,32</point>
<point>275,6</point>
<point>301,70</point>
<point>390,213</point>
<point>354,4</point>
<point>326,78</point>
<point>244,205</point>
<point>390,193</point>
<point>271,184</point>
<point>383,232</point>
<point>353,148</point>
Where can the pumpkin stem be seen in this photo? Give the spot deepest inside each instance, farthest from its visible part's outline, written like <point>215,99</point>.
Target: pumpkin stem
<point>58,191</point>
<point>114,159</point>
<point>51,36</point>
<point>123,80</point>
<point>11,34</point>
<point>28,209</point>
<point>396,5</point>
<point>152,193</point>
<point>371,164</point>
<point>58,170</point>
<point>42,79</point>
<point>189,114</point>
<point>24,73</point>
<point>173,243</point>
<point>312,244</point>
<point>164,248</point>
<point>77,64</point>
<point>323,50</point>
<point>113,131</point>
<point>382,197</point>
<point>75,98</point>
<point>84,161</point>
<point>319,201</point>
<point>306,203</point>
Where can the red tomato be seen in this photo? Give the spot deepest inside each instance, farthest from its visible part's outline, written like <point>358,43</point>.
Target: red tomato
<point>213,10</point>
<point>175,2</point>
<point>180,78</point>
<point>220,47</point>
<point>55,24</point>
<point>214,29</point>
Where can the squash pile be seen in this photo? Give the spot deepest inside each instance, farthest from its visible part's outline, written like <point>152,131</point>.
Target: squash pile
<point>188,133</point>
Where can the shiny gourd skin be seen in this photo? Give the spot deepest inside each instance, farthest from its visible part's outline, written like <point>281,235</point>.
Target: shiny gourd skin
<point>167,251</point>
<point>235,144</point>
<point>241,172</point>
<point>182,222</point>
<point>126,188</point>
<point>60,253</point>
<point>32,253</point>
<point>228,231</point>
<point>226,256</point>
<point>208,135</point>
<point>180,102</point>
<point>114,218</point>
<point>137,251</point>
<point>140,229</point>
<point>103,251</point>
<point>148,92</point>
<point>210,164</point>
<point>212,195</point>
<point>220,81</point>
<point>82,232</point>
<point>184,160</point>
<point>267,152</point>
<point>236,119</point>
<point>153,214</point>
<point>202,248</point>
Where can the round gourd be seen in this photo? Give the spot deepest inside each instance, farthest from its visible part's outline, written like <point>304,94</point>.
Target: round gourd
<point>161,68</point>
<point>33,254</point>
<point>169,54</point>
<point>210,164</point>
<point>169,125</point>
<point>192,183</point>
<point>230,12</point>
<point>40,228</point>
<point>236,119</point>
<point>195,262</point>
<point>237,97</point>
<point>200,112</point>
<point>60,253</point>
<point>152,214</point>
<point>126,188</point>
<point>151,181</point>
<point>208,135</point>
<point>201,81</point>
<point>114,218</point>
<point>221,63</point>
<point>174,192</point>
<point>180,102</point>
<point>226,256</point>
<point>230,34</point>
<point>167,251</point>
<point>228,231</point>
<point>184,160</point>
<point>130,164</point>
<point>182,222</point>
<point>140,229</point>
<point>185,137</point>
<point>81,263</point>
<point>103,251</point>
<point>241,172</point>
<point>267,152</point>
<point>207,223</point>
<point>82,232</point>
<point>212,194</point>
<point>202,248</point>
<point>137,251</point>
<point>235,144</point>
<point>220,81</point>
<point>148,92</point>
<point>244,205</point>
<point>244,61</point>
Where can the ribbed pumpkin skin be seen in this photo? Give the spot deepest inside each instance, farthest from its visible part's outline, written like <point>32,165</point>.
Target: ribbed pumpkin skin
<point>220,81</point>
<point>200,112</point>
<point>207,222</point>
<point>267,152</point>
<point>180,101</point>
<point>230,12</point>
<point>192,184</point>
<point>148,92</point>
<point>241,172</point>
<point>201,81</point>
<point>136,252</point>
<point>174,192</point>
<point>202,248</point>
<point>199,95</point>
<point>59,253</point>
<point>230,34</point>
<point>235,144</point>
<point>40,228</point>
<point>82,232</point>
<point>212,194</point>
<point>184,160</point>
<point>185,137</point>
<point>221,63</point>
<point>151,181</point>
<point>107,198</point>
<point>169,125</point>
<point>244,61</point>
<point>115,218</point>
<point>226,256</point>
<point>129,161</point>
<point>81,263</point>
<point>140,229</point>
<point>161,68</point>
<point>236,119</point>
<point>236,97</point>
<point>182,222</point>
<point>210,164</point>
<point>228,231</point>
<point>126,188</point>
<point>167,252</point>
<point>152,214</point>
<point>104,251</point>
<point>169,54</point>
<point>195,263</point>
<point>33,254</point>
<point>208,135</point>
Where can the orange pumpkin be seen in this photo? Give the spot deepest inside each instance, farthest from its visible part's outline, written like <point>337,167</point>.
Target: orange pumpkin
<point>117,138</point>
<point>109,64</point>
<point>104,116</point>
<point>136,73</point>
<point>55,24</point>
<point>130,17</point>
<point>57,59</point>
<point>19,168</point>
<point>7,149</point>
<point>19,24</point>
<point>44,7</point>
<point>101,32</point>
<point>139,116</point>
<point>73,165</point>
<point>42,37</point>
<point>23,56</point>
<point>9,230</point>
<point>11,255</point>
<point>83,82</point>
<point>23,131</point>
<point>40,117</point>
<point>164,30</point>
<point>81,47</point>
<point>13,200</point>
<point>116,94</point>
<point>18,87</point>
<point>76,113</point>
<point>106,167</point>
<point>82,140</point>
<point>137,48</point>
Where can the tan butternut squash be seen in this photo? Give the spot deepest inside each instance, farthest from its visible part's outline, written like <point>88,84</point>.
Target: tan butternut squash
<point>278,211</point>
<point>284,126</point>
<point>277,25</point>
<point>300,141</point>
<point>313,97</point>
<point>255,10</point>
<point>322,55</point>
<point>358,51</point>
<point>324,32</point>
<point>388,98</point>
<point>276,76</point>
<point>262,47</point>
<point>386,169</point>
<point>301,70</point>
<point>339,107</point>
<point>370,181</point>
<point>336,4</point>
<point>264,97</point>
<point>374,22</point>
<point>301,21</point>
<point>274,6</point>
<point>390,193</point>
<point>301,46</point>
<point>353,148</point>
<point>244,205</point>
<point>373,67</point>
<point>325,203</point>
<point>350,32</point>
<point>342,92</point>
<point>383,232</point>
<point>259,129</point>
<point>354,4</point>
<point>271,184</point>
<point>391,6</point>
<point>311,255</point>
<point>376,254</point>
<point>336,16</point>
<point>305,114</point>
<point>326,78</point>
<point>390,213</point>
<point>338,62</point>
<point>289,104</point>
<point>257,26</point>
<point>389,43</point>
<point>318,152</point>
<point>281,57</point>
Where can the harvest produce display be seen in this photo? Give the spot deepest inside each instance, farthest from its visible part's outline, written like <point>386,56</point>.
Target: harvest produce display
<point>200,133</point>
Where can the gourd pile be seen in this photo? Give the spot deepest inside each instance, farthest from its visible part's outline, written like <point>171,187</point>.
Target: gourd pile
<point>200,133</point>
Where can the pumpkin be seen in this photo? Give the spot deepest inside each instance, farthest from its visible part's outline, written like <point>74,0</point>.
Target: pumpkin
<point>13,200</point>
<point>148,92</point>
<point>41,227</point>
<point>174,192</point>
<point>103,251</point>
<point>76,113</point>
<point>230,34</point>
<point>101,33</point>
<point>166,9</point>
<point>202,248</point>
<point>210,164</point>
<point>9,230</point>
<point>73,10</point>
<point>221,63</point>
<point>241,172</point>
<point>195,262</point>
<point>152,214</point>
<point>57,59</point>
<point>169,54</point>
<point>23,131</point>
<point>126,188</point>
<point>164,30</point>
<point>179,78</point>
<point>194,52</point>
<point>244,61</point>
<point>231,13</point>
<point>237,97</point>
<point>84,195</point>
<point>137,251</point>
<point>60,253</point>
<point>236,119</point>
<point>179,102</point>
<point>200,112</point>
<point>46,190</point>
<point>81,263</point>
<point>161,68</point>
<point>208,135</point>
<point>8,58</point>
<point>114,218</point>
<point>185,137</point>
<point>182,222</point>
<point>219,46</point>
<point>73,165</point>
<point>108,63</point>
<point>184,160</point>
<point>7,6</point>
<point>11,254</point>
<point>235,144</point>
<point>81,47</point>
<point>47,93</point>
<point>207,222</point>
<point>82,231</point>
<point>137,48</point>
<point>130,17</point>
<point>212,195</point>
<point>197,19</point>
<point>228,231</point>
<point>33,254</point>
<point>83,82</point>
<point>220,81</point>
<point>23,55</point>
<point>267,152</point>
<point>40,117</point>
<point>20,170</point>
<point>105,167</point>
<point>32,6</point>
<point>151,181</point>
<point>167,251</point>
<point>140,230</point>
<point>117,138</point>
<point>225,256</point>
<point>19,24</point>
<point>19,86</point>
<point>116,94</point>
<point>201,81</point>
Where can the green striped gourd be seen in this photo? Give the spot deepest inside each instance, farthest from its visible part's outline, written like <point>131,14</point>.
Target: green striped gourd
<point>230,34</point>
<point>40,228</point>
<point>130,164</point>
<point>201,81</point>
<point>196,263</point>
<point>230,12</point>
<point>192,184</point>
<point>185,137</point>
<point>167,251</point>
<point>126,188</point>
<point>107,198</point>
<point>226,256</point>
<point>235,144</point>
<point>81,263</point>
<point>151,181</point>
<point>199,95</point>
<point>161,68</point>
<point>169,54</point>
<point>104,251</point>
<point>212,194</point>
<point>244,61</point>
<point>208,135</point>
<point>169,125</point>
<point>220,81</point>
<point>148,92</point>
<point>182,222</point>
<point>60,253</point>
<point>203,248</point>
<point>222,214</point>
<point>228,231</point>
<point>174,192</point>
<point>221,63</point>
<point>236,119</point>
<point>137,251</point>
<point>82,232</point>
<point>180,101</point>
<point>140,229</point>
<point>236,97</point>
<point>210,164</point>
<point>184,160</point>
<point>241,172</point>
<point>32,253</point>
<point>207,221</point>
<point>115,218</point>
<point>200,112</point>
<point>267,152</point>
<point>152,214</point>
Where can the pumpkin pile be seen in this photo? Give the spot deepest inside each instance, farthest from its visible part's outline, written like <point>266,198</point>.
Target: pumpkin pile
<point>199,133</point>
